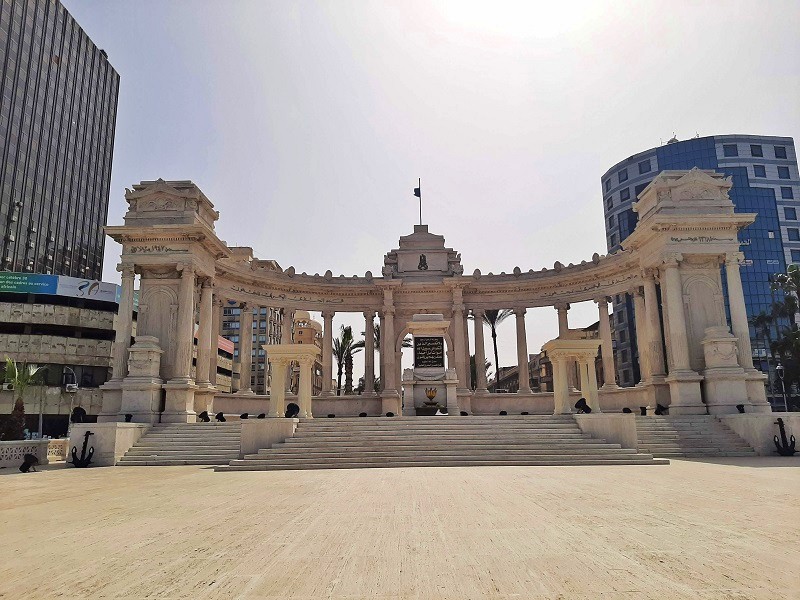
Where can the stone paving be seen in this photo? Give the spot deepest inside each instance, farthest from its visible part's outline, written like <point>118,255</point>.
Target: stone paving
<point>723,529</point>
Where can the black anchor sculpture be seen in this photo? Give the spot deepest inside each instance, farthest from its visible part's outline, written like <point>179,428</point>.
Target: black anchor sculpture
<point>785,447</point>
<point>85,459</point>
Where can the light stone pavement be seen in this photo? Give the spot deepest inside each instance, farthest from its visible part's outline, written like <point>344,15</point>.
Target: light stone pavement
<point>722,529</point>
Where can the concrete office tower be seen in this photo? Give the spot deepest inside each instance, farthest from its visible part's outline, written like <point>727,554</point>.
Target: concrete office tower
<point>765,181</point>
<point>58,109</point>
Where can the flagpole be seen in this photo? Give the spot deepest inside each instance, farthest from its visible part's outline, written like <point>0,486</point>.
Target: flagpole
<point>419,182</point>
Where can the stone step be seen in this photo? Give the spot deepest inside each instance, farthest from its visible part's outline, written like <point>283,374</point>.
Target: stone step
<point>440,453</point>
<point>453,427</point>
<point>155,462</point>
<point>136,451</point>
<point>560,461</point>
<point>498,444</point>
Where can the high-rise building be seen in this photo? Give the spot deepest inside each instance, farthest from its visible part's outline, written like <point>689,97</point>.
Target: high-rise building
<point>266,330</point>
<point>58,109</point>
<point>765,181</point>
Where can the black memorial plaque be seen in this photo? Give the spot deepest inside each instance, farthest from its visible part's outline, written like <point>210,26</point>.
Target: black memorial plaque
<point>428,352</point>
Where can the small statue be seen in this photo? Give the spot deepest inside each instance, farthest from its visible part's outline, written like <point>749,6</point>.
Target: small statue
<point>423,263</point>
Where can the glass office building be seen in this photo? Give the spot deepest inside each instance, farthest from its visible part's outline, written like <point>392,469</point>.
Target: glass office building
<point>58,109</point>
<point>765,181</point>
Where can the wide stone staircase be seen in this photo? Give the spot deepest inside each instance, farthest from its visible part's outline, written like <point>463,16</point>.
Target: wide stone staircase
<point>186,444</point>
<point>349,443</point>
<point>688,436</point>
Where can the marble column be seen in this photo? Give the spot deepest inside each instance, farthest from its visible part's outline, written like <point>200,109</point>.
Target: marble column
<point>522,353</point>
<point>124,326</point>
<point>205,343</point>
<point>459,340</point>
<point>584,379</point>
<point>327,353</point>
<point>468,371</point>
<point>369,353</point>
<point>245,348</point>
<point>677,318</point>
<point>606,344</point>
<point>560,386</point>
<point>592,398</point>
<point>304,388</point>
<point>563,333</point>
<point>739,324</point>
<point>642,335</point>
<point>286,338</point>
<point>382,349</point>
<point>277,396</point>
<point>185,327</point>
<point>480,352</point>
<point>654,342</point>
<point>389,354</point>
<point>215,329</point>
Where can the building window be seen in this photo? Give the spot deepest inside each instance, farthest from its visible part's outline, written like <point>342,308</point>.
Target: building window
<point>611,221</point>
<point>644,167</point>
<point>755,150</point>
<point>780,151</point>
<point>624,356</point>
<point>786,193</point>
<point>783,172</point>
<point>622,175</point>
<point>614,239</point>
<point>230,324</point>
<point>730,150</point>
<point>608,184</point>
<point>625,194</point>
<point>759,171</point>
<point>789,213</point>
<point>796,256</point>
<point>771,235</point>
<point>626,376</point>
<point>623,335</point>
<point>610,202</point>
<point>793,233</point>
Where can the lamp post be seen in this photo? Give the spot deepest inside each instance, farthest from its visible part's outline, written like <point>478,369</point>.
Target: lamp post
<point>71,398</point>
<point>779,369</point>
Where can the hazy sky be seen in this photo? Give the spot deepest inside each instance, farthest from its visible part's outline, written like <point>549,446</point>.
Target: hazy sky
<point>307,124</point>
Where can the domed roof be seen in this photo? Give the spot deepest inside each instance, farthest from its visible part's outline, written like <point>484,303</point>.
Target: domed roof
<point>316,326</point>
<point>301,315</point>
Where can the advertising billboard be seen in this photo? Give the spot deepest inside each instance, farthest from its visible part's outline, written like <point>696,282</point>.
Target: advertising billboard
<point>58,285</point>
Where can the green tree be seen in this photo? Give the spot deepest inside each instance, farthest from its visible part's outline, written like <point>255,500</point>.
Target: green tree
<point>493,318</point>
<point>21,377</point>
<point>343,349</point>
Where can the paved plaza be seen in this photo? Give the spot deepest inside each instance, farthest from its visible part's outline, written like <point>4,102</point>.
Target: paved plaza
<point>722,529</point>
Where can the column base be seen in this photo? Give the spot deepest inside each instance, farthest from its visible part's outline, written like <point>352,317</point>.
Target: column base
<point>756,392</point>
<point>179,405</point>
<point>608,387</point>
<point>685,395</point>
<point>725,387</point>
<point>369,395</point>
<point>391,402</point>
<point>112,401</point>
<point>141,398</point>
<point>204,398</point>
<point>327,393</point>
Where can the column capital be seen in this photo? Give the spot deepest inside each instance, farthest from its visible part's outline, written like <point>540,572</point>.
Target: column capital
<point>127,270</point>
<point>561,305</point>
<point>207,282</point>
<point>636,290</point>
<point>245,305</point>
<point>478,313</point>
<point>731,258</point>
<point>600,300</point>
<point>328,314</point>
<point>186,268</point>
<point>672,260</point>
<point>388,310</point>
<point>520,312</point>
<point>369,314</point>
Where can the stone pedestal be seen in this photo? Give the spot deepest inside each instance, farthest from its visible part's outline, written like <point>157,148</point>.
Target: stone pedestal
<point>430,391</point>
<point>684,392</point>
<point>725,381</point>
<point>112,401</point>
<point>204,398</point>
<point>142,387</point>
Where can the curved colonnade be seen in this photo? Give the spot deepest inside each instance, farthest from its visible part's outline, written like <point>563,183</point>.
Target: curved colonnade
<point>672,263</point>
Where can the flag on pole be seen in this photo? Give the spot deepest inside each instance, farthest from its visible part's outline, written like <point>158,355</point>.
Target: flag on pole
<point>418,192</point>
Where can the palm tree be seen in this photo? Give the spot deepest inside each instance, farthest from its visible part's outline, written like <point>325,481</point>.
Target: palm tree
<point>474,372</point>
<point>20,376</point>
<point>343,350</point>
<point>493,318</point>
<point>376,328</point>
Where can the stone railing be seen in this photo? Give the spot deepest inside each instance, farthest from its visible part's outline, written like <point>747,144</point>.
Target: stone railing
<point>13,453</point>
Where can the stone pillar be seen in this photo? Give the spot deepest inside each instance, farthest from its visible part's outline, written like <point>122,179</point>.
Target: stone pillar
<point>592,398</point>
<point>382,350</point>
<point>215,329</point>
<point>286,338</point>
<point>654,342</point>
<point>389,353</point>
<point>606,344</point>
<point>584,379</point>
<point>480,352</point>
<point>304,387</point>
<point>369,353</point>
<point>459,340</point>
<point>467,370</point>
<point>563,333</point>
<point>560,386</point>
<point>245,348</point>
<point>124,326</point>
<point>327,353</point>
<point>185,328</point>
<point>677,318</point>
<point>522,353</point>
<point>642,335</point>
<point>205,343</point>
<point>739,324</point>
<point>277,396</point>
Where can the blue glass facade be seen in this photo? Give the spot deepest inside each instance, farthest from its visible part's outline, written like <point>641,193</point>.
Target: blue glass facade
<point>767,244</point>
